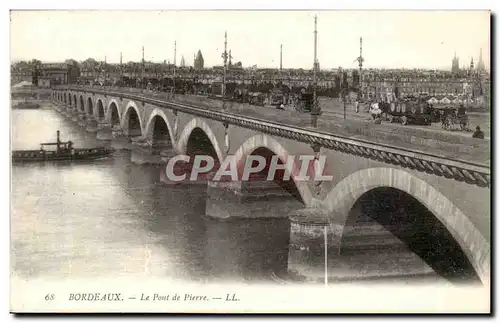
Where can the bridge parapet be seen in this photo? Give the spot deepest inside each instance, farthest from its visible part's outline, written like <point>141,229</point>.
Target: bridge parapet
<point>460,170</point>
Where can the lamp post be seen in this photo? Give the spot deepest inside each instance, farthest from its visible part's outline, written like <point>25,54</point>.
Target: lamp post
<point>316,110</point>
<point>225,57</point>
<point>175,61</point>
<point>105,73</point>
<point>344,99</point>
<point>121,70</point>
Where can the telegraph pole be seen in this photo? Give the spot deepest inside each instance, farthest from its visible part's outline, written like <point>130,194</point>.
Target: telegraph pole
<point>315,111</point>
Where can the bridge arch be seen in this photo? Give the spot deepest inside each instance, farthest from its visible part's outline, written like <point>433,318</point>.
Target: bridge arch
<point>342,198</point>
<point>113,114</point>
<point>75,102</point>
<point>259,142</point>
<point>65,98</point>
<point>100,113</point>
<point>131,120</point>
<point>152,122</point>
<point>70,101</point>
<point>195,123</point>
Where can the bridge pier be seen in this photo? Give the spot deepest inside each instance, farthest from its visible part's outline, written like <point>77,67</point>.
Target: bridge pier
<point>68,111</point>
<point>117,131</point>
<point>250,200</point>
<point>156,152</point>
<point>73,115</point>
<point>82,119</point>
<point>91,124</point>
<point>104,131</point>
<point>253,214</point>
<point>64,110</point>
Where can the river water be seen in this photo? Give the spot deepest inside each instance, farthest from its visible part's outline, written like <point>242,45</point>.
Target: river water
<point>112,217</point>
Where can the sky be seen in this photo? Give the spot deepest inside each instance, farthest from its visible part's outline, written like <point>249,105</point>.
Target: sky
<point>391,39</point>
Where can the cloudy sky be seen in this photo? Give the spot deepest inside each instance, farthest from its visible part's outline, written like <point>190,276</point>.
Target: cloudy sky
<point>410,39</point>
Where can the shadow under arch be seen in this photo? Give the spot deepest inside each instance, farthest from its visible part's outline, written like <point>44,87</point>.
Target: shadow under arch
<point>389,184</point>
<point>113,115</point>
<point>268,146</point>
<point>90,106</point>
<point>100,112</point>
<point>131,120</point>
<point>82,104</point>
<point>153,124</point>
<point>203,129</point>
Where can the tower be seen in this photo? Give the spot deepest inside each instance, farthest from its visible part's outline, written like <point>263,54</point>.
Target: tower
<point>183,62</point>
<point>199,61</point>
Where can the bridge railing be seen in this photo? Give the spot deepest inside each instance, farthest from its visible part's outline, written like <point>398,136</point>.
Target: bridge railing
<point>459,170</point>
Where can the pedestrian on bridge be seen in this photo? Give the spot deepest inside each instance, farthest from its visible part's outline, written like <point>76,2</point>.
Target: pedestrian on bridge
<point>478,133</point>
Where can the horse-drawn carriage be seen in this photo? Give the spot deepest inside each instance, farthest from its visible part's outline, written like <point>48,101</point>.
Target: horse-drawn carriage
<point>256,98</point>
<point>408,111</point>
<point>450,117</point>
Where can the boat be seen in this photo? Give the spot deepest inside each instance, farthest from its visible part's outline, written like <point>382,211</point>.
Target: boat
<point>63,151</point>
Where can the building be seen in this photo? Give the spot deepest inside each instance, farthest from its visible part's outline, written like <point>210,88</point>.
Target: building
<point>198,61</point>
<point>20,75</point>
<point>56,73</point>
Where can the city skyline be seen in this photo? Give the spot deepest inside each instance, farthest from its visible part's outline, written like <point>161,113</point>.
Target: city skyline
<point>50,37</point>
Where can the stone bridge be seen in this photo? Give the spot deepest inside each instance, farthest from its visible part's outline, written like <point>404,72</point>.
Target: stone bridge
<point>449,193</point>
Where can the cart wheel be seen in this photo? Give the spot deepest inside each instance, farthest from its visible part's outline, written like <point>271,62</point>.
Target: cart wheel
<point>404,120</point>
